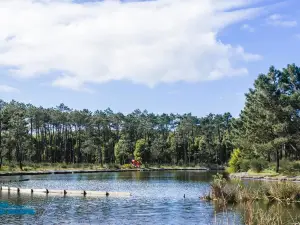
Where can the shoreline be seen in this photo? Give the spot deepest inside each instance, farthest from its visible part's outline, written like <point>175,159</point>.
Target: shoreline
<point>247,176</point>
<point>48,172</point>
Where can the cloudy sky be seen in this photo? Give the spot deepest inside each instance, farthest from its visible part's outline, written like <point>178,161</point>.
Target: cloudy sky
<point>177,56</point>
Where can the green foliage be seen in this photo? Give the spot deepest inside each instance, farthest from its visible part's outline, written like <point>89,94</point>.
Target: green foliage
<point>77,165</point>
<point>244,165</point>
<point>268,128</point>
<point>289,167</point>
<point>127,166</point>
<point>112,166</point>
<point>63,135</point>
<point>234,161</point>
<point>64,166</point>
<point>27,168</point>
<point>142,151</point>
<point>12,166</point>
<point>257,165</point>
<point>140,148</point>
<point>122,151</point>
<point>180,162</point>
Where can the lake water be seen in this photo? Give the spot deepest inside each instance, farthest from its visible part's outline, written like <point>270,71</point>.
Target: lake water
<point>157,198</point>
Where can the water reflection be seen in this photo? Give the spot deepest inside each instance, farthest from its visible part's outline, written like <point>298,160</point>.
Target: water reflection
<point>157,198</point>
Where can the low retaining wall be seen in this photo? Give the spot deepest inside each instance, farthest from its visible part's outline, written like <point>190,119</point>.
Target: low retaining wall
<point>45,191</point>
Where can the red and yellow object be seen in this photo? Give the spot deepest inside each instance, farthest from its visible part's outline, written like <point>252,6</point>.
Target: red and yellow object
<point>136,163</point>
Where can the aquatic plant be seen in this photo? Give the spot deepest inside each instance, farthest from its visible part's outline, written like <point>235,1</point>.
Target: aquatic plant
<point>235,191</point>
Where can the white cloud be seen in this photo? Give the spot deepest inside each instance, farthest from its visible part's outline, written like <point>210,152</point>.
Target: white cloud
<point>279,20</point>
<point>144,42</point>
<point>248,28</point>
<point>7,89</point>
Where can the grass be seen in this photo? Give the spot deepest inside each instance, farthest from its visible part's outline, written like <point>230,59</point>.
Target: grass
<point>269,204</point>
<point>275,214</point>
<point>14,167</point>
<point>235,191</point>
<point>48,167</point>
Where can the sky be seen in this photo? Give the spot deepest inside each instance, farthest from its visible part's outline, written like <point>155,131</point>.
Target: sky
<point>165,56</point>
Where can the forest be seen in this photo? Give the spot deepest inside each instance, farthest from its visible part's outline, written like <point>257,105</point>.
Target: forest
<point>267,128</point>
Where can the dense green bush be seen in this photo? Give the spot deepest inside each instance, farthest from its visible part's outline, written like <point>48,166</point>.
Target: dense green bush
<point>258,165</point>
<point>289,167</point>
<point>127,166</point>
<point>112,166</point>
<point>64,166</point>
<point>244,165</point>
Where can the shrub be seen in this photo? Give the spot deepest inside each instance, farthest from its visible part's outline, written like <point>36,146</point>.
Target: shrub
<point>234,162</point>
<point>85,165</point>
<point>244,165</point>
<point>180,162</point>
<point>36,166</point>
<point>111,166</point>
<point>12,166</point>
<point>76,165</point>
<point>46,164</point>
<point>289,167</point>
<point>127,166</point>
<point>257,165</point>
<point>64,166</point>
<point>296,166</point>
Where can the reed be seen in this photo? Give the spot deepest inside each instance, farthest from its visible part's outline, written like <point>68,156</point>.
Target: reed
<point>235,191</point>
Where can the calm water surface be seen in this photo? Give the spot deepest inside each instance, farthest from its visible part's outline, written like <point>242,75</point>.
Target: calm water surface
<point>157,198</point>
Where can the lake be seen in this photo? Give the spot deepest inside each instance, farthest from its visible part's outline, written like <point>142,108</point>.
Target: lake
<point>157,198</point>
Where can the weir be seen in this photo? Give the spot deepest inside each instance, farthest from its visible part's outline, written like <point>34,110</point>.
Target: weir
<point>54,192</point>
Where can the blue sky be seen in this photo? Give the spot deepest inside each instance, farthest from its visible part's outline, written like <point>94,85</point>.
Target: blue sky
<point>163,56</point>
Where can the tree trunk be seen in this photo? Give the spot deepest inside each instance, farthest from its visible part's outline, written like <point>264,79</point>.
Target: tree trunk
<point>277,161</point>
<point>20,156</point>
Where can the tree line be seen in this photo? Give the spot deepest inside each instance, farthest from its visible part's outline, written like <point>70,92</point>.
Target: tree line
<point>63,135</point>
<point>268,128</point>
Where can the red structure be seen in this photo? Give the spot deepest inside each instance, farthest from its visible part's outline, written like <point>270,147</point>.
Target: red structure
<point>136,163</point>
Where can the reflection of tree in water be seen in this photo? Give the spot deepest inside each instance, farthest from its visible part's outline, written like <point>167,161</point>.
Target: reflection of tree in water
<point>193,176</point>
